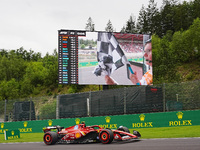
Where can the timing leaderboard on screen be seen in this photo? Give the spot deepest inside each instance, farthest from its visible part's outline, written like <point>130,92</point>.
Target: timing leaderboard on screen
<point>68,55</point>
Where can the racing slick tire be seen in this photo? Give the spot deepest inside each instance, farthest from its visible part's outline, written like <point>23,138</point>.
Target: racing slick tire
<point>125,129</point>
<point>106,136</point>
<point>50,138</point>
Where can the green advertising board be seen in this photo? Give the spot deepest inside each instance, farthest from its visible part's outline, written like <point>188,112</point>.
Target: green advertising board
<point>145,120</point>
<point>12,134</point>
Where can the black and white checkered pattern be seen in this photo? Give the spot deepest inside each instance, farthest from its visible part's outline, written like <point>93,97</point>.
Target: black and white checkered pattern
<point>109,54</point>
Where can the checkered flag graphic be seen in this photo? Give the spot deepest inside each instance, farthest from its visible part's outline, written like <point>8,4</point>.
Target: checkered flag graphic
<point>109,54</point>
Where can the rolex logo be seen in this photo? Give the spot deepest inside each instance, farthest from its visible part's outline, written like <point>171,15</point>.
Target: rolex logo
<point>50,122</point>
<point>2,125</point>
<point>107,119</point>
<point>12,132</point>
<point>25,124</point>
<point>142,117</point>
<point>179,115</point>
<point>77,120</point>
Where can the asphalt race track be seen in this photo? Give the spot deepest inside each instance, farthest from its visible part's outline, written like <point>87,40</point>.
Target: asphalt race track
<point>143,144</point>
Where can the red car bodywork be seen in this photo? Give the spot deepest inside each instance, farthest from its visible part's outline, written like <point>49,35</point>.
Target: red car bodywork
<point>81,134</point>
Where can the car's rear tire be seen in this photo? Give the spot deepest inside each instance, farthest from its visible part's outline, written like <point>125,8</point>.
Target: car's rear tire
<point>50,138</point>
<point>125,129</point>
<point>106,136</point>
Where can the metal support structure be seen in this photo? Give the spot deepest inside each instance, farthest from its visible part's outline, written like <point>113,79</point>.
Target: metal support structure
<point>89,105</point>
<point>177,97</point>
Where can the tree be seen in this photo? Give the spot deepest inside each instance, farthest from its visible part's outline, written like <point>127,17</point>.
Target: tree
<point>186,44</point>
<point>164,68</point>
<point>153,17</point>
<point>149,19</point>
<point>109,27</point>
<point>142,22</point>
<point>51,68</point>
<point>9,89</point>
<point>183,16</point>
<point>168,11</point>
<point>36,73</point>
<point>130,26</point>
<point>90,25</point>
<point>195,8</point>
<point>123,30</point>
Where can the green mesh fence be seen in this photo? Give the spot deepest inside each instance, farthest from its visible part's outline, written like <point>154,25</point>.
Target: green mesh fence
<point>127,100</point>
<point>111,102</point>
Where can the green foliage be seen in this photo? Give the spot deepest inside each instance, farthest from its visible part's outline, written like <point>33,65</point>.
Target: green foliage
<point>186,44</point>
<point>11,67</point>
<point>163,61</point>
<point>172,15</point>
<point>173,50</point>
<point>9,89</point>
<point>87,43</point>
<point>24,73</point>
<point>75,88</point>
<point>48,111</point>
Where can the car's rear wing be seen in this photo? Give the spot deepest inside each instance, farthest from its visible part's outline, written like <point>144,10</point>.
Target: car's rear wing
<point>50,128</point>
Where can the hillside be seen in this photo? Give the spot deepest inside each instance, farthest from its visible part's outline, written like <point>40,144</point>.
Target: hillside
<point>189,71</point>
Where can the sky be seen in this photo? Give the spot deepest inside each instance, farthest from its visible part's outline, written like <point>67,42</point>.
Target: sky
<point>34,24</point>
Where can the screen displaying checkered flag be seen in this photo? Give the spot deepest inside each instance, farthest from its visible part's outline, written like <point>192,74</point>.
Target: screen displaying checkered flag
<point>109,54</point>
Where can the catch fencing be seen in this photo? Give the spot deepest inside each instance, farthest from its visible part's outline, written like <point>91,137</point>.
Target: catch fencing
<point>126,100</point>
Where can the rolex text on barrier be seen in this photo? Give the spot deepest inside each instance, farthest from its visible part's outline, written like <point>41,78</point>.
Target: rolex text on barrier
<point>11,134</point>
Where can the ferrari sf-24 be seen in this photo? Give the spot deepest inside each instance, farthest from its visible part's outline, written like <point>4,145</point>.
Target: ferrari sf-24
<point>84,134</point>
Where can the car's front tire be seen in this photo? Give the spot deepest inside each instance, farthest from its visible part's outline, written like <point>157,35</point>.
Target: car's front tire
<point>106,136</point>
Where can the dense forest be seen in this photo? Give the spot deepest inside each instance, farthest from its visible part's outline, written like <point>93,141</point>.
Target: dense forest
<point>175,30</point>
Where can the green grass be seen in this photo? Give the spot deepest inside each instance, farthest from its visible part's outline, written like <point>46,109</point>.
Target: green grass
<point>24,137</point>
<point>147,133</point>
<point>169,132</point>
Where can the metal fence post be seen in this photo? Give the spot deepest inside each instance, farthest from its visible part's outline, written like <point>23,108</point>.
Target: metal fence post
<point>88,105</point>
<point>5,116</point>
<point>57,108</point>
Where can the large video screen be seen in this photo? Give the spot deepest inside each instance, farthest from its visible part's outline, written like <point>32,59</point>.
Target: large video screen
<point>104,58</point>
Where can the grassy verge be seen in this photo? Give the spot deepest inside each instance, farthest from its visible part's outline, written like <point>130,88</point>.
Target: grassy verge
<point>24,137</point>
<point>164,132</point>
<point>169,132</point>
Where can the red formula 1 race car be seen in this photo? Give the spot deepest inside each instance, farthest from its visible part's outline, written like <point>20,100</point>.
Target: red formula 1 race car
<point>84,134</point>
